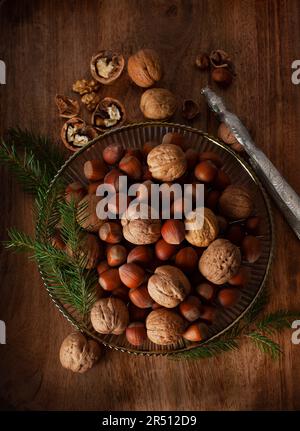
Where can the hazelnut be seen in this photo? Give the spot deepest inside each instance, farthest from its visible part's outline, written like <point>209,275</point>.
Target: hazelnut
<point>168,286</point>
<point>136,333</point>
<point>175,138</point>
<point>107,66</point>
<point>190,308</point>
<point>220,261</point>
<point>88,251</point>
<point>222,180</point>
<point>79,354</point>
<point>131,166</point>
<point>191,156</point>
<point>251,248</point>
<point>116,255</point>
<point>112,178</point>
<point>86,213</point>
<point>75,192</point>
<point>67,107</point>
<point>164,250</point>
<point>167,162</point>
<point>102,267</point>
<point>121,293</point>
<point>222,76</point>
<point>241,278</point>
<point>94,170</point>
<point>226,134</point>
<point>228,297</point>
<point>196,332</point>
<point>212,156</point>
<point>158,104</point>
<point>110,279</point>
<point>206,291</point>
<point>148,146</point>
<point>140,297</point>
<point>173,231</point>
<point>212,199</point>
<point>186,259</point>
<point>203,231</point>
<point>108,113</point>
<point>57,241</point>
<point>235,234</point>
<point>252,225</point>
<point>164,326</point>
<point>113,153</point>
<point>111,232</point>
<point>144,68</point>
<point>208,313</point>
<point>75,134</point>
<point>132,275</point>
<point>109,316</point>
<point>92,187</point>
<point>190,109</point>
<point>140,231</point>
<point>236,202</point>
<point>202,61</point>
<point>205,171</point>
<point>141,254</point>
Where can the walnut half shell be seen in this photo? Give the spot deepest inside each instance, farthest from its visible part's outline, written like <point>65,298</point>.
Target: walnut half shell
<point>75,134</point>
<point>164,326</point>
<point>108,113</point>
<point>107,66</point>
<point>67,107</point>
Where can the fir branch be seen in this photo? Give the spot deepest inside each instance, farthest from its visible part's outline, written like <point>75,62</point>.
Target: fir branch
<point>277,321</point>
<point>265,344</point>
<point>258,306</point>
<point>208,350</point>
<point>19,241</point>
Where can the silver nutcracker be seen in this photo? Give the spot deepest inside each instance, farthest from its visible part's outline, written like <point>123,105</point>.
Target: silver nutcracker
<point>282,193</point>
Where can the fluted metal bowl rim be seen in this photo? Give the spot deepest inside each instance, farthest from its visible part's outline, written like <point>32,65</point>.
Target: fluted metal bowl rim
<point>244,164</point>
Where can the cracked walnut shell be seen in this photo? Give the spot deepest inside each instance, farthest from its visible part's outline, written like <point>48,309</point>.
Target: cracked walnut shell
<point>168,286</point>
<point>108,113</point>
<point>79,354</point>
<point>220,261</point>
<point>201,232</point>
<point>107,66</point>
<point>158,104</point>
<point>67,107</point>
<point>167,162</point>
<point>75,133</point>
<point>109,316</point>
<point>144,68</point>
<point>236,202</point>
<point>164,326</point>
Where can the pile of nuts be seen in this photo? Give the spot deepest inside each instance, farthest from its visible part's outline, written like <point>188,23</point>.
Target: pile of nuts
<point>221,65</point>
<point>158,280</point>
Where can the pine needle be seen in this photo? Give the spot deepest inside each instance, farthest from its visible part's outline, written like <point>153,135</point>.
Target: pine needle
<point>208,350</point>
<point>265,344</point>
<point>277,321</point>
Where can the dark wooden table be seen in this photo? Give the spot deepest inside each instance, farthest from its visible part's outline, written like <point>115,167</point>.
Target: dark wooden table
<point>47,45</point>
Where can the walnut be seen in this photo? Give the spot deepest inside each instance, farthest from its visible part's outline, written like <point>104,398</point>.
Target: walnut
<point>75,133</point>
<point>67,107</point>
<point>203,231</point>
<point>108,113</point>
<point>164,326</point>
<point>236,202</point>
<point>109,316</point>
<point>90,100</point>
<point>79,354</point>
<point>144,68</point>
<point>158,104</point>
<point>168,286</point>
<point>86,213</point>
<point>82,86</point>
<point>107,66</point>
<point>167,162</point>
<point>220,261</point>
<point>88,252</point>
<point>140,231</point>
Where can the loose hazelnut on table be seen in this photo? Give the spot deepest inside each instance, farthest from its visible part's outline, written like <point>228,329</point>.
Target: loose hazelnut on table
<point>75,192</point>
<point>164,327</point>
<point>136,333</point>
<point>251,248</point>
<point>132,275</point>
<point>79,354</point>
<point>222,76</point>
<point>67,107</point>
<point>173,231</point>
<point>107,66</point>
<point>236,202</point>
<point>75,134</point>
<point>89,250</point>
<point>168,286</point>
<point>220,261</point>
<point>86,213</point>
<point>144,68</point>
<point>111,232</point>
<point>158,104</point>
<point>113,153</point>
<point>94,170</point>
<point>108,113</point>
<point>201,230</point>
<point>167,162</point>
<point>202,61</point>
<point>109,316</point>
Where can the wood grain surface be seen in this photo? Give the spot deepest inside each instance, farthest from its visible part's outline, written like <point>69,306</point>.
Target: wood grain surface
<point>46,46</point>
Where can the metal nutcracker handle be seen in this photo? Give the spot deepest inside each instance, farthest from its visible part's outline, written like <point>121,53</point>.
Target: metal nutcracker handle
<point>282,193</point>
